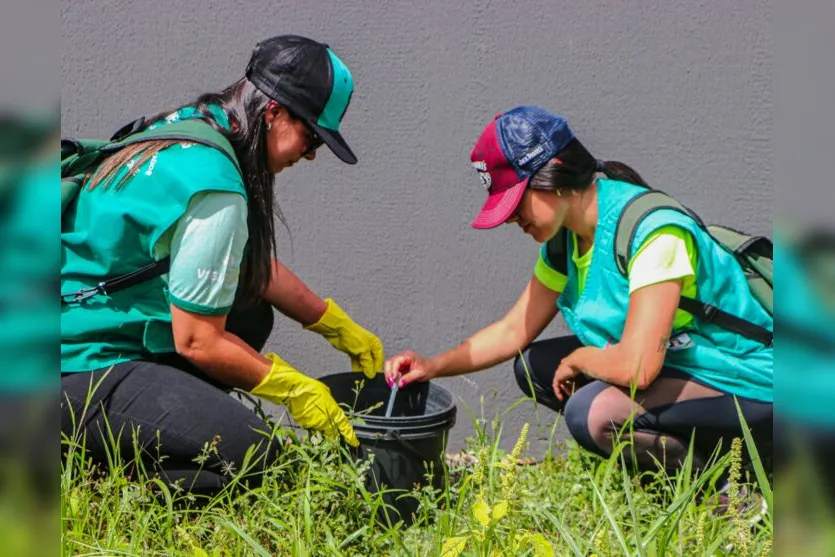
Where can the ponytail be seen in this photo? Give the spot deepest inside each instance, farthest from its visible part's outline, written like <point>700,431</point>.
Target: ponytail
<point>574,167</point>
<point>615,170</point>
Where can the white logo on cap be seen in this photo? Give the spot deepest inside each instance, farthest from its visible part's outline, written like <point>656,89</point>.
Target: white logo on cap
<point>522,161</point>
<point>483,175</point>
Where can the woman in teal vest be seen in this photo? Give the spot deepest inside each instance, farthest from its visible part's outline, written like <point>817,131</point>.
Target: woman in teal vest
<point>160,356</point>
<point>628,333</point>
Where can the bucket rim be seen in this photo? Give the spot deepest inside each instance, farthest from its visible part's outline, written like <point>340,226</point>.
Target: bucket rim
<point>433,417</point>
<point>425,418</point>
<point>447,423</point>
<point>380,436</point>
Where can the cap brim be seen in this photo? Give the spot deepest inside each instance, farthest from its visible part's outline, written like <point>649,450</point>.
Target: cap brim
<point>498,208</point>
<point>335,143</point>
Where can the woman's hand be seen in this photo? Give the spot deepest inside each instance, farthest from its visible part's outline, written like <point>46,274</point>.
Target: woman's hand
<point>362,346</point>
<point>565,380</point>
<point>308,400</point>
<point>408,367</point>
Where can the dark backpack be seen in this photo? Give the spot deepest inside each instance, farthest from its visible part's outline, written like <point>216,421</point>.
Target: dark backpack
<point>80,158</point>
<point>753,253</point>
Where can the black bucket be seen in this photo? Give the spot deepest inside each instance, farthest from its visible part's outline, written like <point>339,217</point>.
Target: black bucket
<point>407,445</point>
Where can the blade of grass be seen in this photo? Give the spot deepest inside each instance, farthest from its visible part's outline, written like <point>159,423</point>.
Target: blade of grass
<point>627,489</point>
<point>756,461</point>
<point>609,516</point>
<point>257,547</point>
<point>565,534</point>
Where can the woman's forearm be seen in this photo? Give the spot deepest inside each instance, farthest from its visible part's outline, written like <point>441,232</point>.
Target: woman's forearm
<point>612,364</point>
<point>490,346</point>
<point>229,360</point>
<point>502,340</point>
<point>289,295</point>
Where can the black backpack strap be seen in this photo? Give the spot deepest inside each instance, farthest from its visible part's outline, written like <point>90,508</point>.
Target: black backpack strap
<point>109,286</point>
<point>635,211</point>
<point>71,146</point>
<point>712,314</point>
<point>557,250</point>
<point>128,129</point>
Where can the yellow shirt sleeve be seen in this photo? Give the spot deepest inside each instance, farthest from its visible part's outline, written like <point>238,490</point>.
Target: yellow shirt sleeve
<point>669,253</point>
<point>547,275</point>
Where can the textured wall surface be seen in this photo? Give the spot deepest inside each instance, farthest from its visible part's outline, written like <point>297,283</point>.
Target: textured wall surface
<point>680,90</point>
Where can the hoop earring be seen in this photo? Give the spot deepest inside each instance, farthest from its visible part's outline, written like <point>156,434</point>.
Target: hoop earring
<point>269,126</point>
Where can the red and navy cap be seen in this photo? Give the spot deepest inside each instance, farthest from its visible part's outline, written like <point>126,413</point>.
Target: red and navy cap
<point>310,81</point>
<point>511,149</point>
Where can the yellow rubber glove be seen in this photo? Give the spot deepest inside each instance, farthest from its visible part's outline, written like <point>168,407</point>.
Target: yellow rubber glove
<point>363,347</point>
<point>308,401</point>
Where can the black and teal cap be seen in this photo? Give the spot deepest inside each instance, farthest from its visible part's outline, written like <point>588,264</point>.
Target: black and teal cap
<point>308,79</point>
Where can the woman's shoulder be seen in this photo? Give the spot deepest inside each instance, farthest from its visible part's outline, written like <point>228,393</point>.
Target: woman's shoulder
<point>665,222</point>
<point>199,165</point>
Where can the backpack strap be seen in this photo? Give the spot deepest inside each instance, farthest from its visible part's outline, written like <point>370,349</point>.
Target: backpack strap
<point>712,314</point>
<point>109,286</point>
<point>557,251</point>
<point>193,130</point>
<point>78,156</point>
<point>636,210</point>
<point>640,207</point>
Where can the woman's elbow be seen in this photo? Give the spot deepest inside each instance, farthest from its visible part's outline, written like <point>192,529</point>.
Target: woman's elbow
<point>196,337</point>
<point>641,371</point>
<point>645,375</point>
<point>640,382</point>
<point>195,348</point>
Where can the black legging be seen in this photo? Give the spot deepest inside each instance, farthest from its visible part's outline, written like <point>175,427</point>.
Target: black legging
<point>665,413</point>
<point>176,410</point>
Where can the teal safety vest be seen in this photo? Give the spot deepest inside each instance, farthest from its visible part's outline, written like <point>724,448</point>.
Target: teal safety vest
<point>718,357</point>
<point>113,231</point>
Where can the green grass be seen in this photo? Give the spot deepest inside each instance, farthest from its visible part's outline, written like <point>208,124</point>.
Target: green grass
<point>314,502</point>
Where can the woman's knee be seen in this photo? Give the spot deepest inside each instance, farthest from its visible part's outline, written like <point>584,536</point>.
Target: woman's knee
<point>589,432</point>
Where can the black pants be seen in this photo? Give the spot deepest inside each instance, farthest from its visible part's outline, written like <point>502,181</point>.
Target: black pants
<point>176,412</point>
<point>665,414</point>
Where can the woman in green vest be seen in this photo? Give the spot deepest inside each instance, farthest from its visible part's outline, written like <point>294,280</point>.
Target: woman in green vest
<point>159,357</point>
<point>628,333</point>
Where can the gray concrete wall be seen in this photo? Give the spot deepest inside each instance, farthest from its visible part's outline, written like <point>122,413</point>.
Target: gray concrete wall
<point>680,90</point>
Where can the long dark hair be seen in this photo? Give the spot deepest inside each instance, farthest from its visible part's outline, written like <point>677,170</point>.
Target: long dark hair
<point>244,105</point>
<point>576,168</point>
